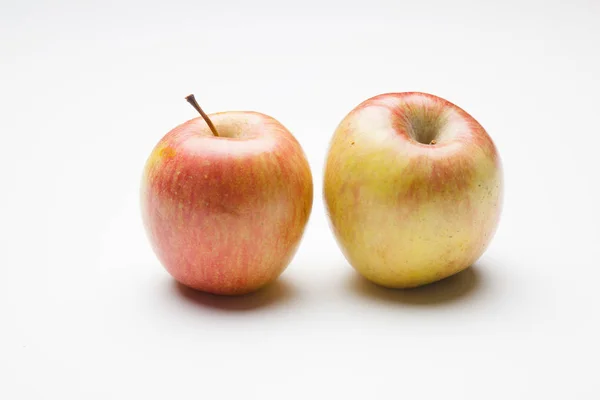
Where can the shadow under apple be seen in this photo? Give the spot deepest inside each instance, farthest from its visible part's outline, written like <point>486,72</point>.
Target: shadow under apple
<point>274,294</point>
<point>458,286</point>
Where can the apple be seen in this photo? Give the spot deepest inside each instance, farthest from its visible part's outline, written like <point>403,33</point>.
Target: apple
<point>225,199</point>
<point>413,187</point>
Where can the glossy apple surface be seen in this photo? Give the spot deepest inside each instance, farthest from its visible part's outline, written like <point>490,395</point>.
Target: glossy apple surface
<point>226,214</point>
<point>413,188</point>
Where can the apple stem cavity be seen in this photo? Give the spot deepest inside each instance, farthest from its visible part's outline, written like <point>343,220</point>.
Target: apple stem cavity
<point>192,100</point>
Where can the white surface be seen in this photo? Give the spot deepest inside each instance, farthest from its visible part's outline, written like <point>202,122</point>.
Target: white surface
<point>86,310</point>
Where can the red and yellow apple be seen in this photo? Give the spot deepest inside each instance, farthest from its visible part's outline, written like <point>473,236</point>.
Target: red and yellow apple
<point>225,200</point>
<point>413,188</point>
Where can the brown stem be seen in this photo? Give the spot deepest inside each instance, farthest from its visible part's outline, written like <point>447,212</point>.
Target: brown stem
<point>192,100</point>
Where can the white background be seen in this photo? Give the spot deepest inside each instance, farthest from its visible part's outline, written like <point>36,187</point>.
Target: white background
<point>87,311</point>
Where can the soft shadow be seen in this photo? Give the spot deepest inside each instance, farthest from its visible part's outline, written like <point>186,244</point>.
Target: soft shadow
<point>459,286</point>
<point>276,293</point>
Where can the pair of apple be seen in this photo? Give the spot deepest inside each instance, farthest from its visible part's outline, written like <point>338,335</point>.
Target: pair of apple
<point>412,185</point>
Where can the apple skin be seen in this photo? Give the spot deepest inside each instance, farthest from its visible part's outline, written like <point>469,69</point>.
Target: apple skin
<point>226,214</point>
<point>413,188</point>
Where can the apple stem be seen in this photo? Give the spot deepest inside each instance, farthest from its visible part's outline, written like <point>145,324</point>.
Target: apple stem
<point>192,100</point>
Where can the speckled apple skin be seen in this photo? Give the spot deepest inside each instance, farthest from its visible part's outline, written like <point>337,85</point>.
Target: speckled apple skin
<point>413,187</point>
<point>226,214</point>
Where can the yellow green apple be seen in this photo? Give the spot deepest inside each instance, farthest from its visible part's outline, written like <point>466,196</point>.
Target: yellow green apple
<point>413,188</point>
